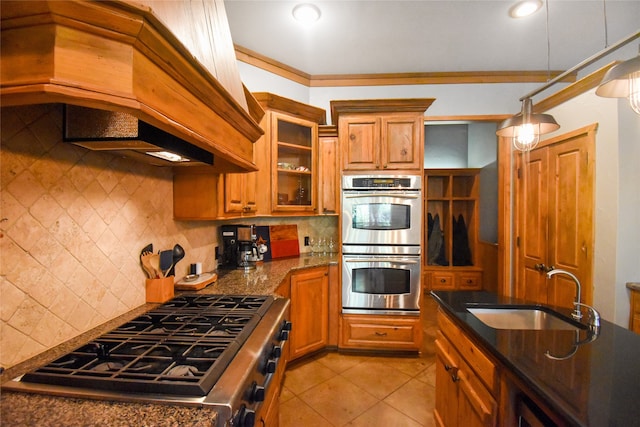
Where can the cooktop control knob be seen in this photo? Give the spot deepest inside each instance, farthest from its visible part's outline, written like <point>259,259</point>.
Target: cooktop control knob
<point>276,352</point>
<point>257,393</point>
<point>284,331</point>
<point>246,417</point>
<point>270,367</point>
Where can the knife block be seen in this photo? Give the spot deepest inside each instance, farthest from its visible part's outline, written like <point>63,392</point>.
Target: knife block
<point>159,290</point>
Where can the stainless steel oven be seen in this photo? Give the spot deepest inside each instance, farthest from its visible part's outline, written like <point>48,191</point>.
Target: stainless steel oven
<point>383,284</point>
<point>383,210</point>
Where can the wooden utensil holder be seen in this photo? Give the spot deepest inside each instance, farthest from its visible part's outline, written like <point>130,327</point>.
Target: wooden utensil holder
<point>160,290</point>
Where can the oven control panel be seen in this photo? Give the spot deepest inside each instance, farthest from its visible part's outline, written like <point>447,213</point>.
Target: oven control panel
<point>373,182</point>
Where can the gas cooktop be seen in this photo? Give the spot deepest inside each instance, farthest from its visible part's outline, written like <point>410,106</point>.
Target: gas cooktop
<point>181,348</point>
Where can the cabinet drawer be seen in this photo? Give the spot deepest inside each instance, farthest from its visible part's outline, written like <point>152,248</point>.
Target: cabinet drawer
<point>483,367</point>
<point>442,281</point>
<point>469,281</point>
<point>381,332</point>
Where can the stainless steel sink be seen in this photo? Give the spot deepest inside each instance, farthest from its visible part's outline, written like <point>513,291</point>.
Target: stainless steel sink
<point>519,317</point>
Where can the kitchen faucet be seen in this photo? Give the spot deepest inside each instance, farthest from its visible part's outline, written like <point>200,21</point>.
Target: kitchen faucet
<point>594,316</point>
<point>576,313</point>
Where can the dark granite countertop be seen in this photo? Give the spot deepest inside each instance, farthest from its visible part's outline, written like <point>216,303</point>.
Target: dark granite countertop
<point>26,409</point>
<point>598,385</point>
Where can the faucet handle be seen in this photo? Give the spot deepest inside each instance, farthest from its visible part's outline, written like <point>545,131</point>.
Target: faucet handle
<point>594,317</point>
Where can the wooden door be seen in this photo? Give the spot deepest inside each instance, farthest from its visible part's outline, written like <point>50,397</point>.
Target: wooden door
<point>554,206</point>
<point>240,193</point>
<point>401,142</point>
<point>309,311</point>
<point>570,217</point>
<point>532,223</point>
<point>359,138</point>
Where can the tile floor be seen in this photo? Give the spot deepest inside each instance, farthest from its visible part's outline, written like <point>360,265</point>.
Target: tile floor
<point>333,389</point>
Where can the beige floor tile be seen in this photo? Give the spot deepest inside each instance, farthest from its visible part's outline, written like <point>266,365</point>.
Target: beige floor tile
<point>428,375</point>
<point>411,366</point>
<point>295,413</point>
<point>338,400</point>
<point>302,377</point>
<point>383,415</point>
<point>339,363</point>
<point>415,399</point>
<point>377,376</point>
<point>286,394</point>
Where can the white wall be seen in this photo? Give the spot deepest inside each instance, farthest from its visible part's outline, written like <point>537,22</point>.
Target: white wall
<point>467,99</point>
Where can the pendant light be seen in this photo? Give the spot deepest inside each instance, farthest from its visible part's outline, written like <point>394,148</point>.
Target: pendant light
<point>526,127</point>
<point>623,81</point>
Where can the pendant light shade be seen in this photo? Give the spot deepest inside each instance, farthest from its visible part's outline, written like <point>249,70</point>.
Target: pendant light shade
<point>623,81</point>
<point>526,127</point>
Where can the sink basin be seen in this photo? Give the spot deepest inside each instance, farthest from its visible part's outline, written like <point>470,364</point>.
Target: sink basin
<point>522,318</point>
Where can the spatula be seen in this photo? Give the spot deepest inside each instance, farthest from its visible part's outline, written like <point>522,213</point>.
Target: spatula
<point>166,261</point>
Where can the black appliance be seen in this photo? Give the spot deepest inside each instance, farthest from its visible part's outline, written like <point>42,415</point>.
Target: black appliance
<point>196,350</point>
<point>239,247</point>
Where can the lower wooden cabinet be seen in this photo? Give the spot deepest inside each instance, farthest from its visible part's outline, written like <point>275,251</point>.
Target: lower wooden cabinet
<point>453,280</point>
<point>467,381</point>
<point>634,316</point>
<point>371,332</point>
<point>309,311</point>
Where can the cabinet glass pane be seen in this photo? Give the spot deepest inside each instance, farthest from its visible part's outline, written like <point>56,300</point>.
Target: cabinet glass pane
<point>295,134</point>
<point>294,188</point>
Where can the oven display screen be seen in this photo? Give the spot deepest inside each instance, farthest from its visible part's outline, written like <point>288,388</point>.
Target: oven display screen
<point>377,281</point>
<point>381,216</point>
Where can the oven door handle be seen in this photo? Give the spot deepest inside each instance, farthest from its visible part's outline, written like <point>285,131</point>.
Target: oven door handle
<point>391,260</point>
<point>392,195</point>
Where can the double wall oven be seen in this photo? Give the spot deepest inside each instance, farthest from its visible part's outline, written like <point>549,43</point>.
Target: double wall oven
<point>381,243</point>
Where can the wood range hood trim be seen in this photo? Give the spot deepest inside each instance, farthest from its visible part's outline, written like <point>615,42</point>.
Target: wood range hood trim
<point>118,56</point>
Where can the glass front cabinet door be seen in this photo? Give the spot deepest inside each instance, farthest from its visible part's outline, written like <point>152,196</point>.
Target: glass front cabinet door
<point>294,155</point>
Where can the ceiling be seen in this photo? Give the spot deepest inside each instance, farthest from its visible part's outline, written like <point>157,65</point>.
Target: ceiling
<point>421,36</point>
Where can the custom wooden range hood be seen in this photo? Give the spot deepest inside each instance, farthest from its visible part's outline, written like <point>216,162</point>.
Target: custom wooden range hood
<point>169,64</point>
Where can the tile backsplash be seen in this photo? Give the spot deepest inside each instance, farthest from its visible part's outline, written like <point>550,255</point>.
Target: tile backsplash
<point>73,222</point>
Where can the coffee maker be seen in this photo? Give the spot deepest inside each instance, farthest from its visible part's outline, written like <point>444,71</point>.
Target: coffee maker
<point>239,248</point>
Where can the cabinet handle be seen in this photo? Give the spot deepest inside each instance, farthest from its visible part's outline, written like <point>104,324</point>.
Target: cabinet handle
<point>443,280</point>
<point>385,166</point>
<point>381,334</point>
<point>454,372</point>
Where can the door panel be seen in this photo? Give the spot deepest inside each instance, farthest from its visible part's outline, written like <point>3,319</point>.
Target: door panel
<point>532,225</point>
<point>554,205</point>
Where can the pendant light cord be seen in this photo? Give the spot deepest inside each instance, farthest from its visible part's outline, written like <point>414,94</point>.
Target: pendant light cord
<point>546,7</point>
<point>604,17</point>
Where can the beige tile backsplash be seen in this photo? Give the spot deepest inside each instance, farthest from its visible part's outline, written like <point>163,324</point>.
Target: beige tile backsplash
<point>73,222</point>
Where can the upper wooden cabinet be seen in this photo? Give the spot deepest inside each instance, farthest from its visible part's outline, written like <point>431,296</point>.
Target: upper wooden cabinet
<point>381,134</point>
<point>288,159</point>
<point>329,172</point>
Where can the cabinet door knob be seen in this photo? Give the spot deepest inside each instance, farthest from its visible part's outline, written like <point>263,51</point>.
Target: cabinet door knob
<point>443,280</point>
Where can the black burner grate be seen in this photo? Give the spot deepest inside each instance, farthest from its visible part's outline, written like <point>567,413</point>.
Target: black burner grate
<point>180,348</point>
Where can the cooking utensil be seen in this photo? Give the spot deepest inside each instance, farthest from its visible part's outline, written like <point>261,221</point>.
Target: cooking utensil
<point>145,258</point>
<point>146,249</point>
<point>178,254</point>
<point>154,259</point>
<point>166,262</point>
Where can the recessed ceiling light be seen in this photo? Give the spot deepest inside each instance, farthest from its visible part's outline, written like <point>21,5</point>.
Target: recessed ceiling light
<point>306,13</point>
<point>525,8</point>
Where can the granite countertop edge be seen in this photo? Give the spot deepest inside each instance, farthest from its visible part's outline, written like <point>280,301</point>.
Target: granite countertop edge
<point>18,408</point>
